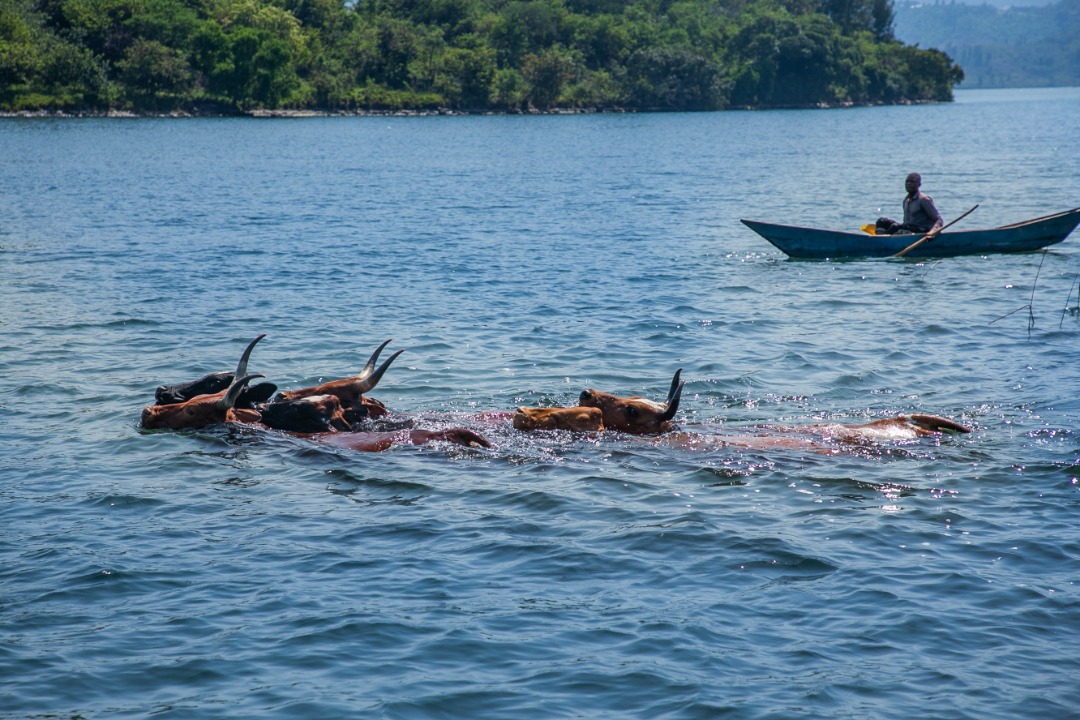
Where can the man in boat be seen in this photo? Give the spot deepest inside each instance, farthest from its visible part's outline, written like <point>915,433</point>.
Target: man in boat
<point>920,214</point>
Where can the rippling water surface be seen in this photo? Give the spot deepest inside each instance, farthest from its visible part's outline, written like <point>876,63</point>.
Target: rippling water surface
<point>225,573</point>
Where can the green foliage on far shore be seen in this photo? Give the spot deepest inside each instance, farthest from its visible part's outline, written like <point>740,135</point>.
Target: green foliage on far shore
<point>226,56</point>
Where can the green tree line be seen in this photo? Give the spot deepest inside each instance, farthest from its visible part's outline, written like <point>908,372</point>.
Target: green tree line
<point>466,55</point>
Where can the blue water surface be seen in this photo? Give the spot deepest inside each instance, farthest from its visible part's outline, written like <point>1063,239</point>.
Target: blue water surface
<point>227,573</point>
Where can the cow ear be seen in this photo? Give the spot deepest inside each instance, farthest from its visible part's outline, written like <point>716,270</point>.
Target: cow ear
<point>235,389</point>
<point>165,395</point>
<point>257,394</point>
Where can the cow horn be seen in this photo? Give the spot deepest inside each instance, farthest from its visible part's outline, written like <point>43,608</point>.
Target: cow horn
<point>241,367</point>
<point>235,389</point>
<point>675,385</point>
<point>674,395</point>
<point>369,377</point>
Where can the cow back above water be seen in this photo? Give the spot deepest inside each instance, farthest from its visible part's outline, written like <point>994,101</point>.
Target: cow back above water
<point>574,419</point>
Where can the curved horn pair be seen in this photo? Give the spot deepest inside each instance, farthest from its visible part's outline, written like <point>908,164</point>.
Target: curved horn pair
<point>369,377</point>
<point>674,395</point>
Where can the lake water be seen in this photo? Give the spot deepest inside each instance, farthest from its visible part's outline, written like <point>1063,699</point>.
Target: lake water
<point>518,260</point>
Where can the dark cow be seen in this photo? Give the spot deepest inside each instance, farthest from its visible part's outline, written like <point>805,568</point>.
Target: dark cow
<point>314,414</point>
<point>216,383</point>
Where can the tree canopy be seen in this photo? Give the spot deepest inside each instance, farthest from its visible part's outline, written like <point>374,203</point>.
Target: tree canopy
<point>466,55</point>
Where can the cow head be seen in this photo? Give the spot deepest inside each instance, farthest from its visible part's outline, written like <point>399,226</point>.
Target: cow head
<point>313,414</point>
<point>181,392</point>
<point>349,391</point>
<point>198,412</point>
<point>575,419</point>
<point>636,414</point>
<point>216,383</point>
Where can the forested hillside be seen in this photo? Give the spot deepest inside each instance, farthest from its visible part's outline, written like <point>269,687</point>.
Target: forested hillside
<point>1000,47</point>
<point>468,55</point>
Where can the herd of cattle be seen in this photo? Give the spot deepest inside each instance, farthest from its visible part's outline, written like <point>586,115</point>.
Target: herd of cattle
<point>340,413</point>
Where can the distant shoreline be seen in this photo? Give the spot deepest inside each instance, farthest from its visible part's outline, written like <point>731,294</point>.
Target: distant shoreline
<point>287,113</point>
<point>294,113</point>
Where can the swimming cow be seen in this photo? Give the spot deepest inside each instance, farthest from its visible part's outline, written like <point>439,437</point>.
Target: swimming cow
<point>636,415</point>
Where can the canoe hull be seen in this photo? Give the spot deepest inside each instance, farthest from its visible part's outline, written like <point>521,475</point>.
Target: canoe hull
<point>813,243</point>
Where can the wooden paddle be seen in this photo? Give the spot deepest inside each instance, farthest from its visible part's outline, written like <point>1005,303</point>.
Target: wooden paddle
<point>932,234</point>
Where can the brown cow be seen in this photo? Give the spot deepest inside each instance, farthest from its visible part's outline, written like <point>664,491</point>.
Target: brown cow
<point>636,414</point>
<point>350,391</point>
<point>198,412</point>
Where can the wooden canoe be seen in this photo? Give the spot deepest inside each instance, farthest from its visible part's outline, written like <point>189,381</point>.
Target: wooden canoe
<point>812,243</point>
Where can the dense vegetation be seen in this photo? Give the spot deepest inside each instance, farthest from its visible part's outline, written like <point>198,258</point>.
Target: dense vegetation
<point>503,55</point>
<point>1000,47</point>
